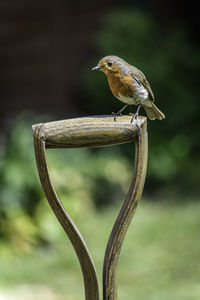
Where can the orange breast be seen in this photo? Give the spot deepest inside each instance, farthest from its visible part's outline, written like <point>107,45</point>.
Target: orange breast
<point>122,85</point>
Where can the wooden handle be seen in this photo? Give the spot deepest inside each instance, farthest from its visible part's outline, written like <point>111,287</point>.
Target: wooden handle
<point>90,131</point>
<point>94,132</point>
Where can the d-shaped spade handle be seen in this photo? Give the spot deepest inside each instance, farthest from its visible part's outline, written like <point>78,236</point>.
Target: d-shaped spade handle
<point>94,131</point>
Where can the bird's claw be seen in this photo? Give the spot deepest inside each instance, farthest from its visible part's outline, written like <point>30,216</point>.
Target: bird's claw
<point>134,118</point>
<point>116,115</point>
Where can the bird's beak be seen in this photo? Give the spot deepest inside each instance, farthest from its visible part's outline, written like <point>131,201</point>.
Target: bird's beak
<point>97,68</point>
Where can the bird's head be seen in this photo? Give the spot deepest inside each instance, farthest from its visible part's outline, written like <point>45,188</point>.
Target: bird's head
<point>111,64</point>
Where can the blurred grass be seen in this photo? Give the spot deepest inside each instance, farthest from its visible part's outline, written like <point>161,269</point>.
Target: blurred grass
<point>159,259</point>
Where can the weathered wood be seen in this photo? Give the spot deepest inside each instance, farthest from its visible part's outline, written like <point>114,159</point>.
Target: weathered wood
<point>90,132</point>
<point>85,259</point>
<point>124,218</point>
<point>94,132</point>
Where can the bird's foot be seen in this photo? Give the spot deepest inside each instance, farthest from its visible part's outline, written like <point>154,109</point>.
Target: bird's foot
<point>136,114</point>
<point>134,117</point>
<point>116,115</point>
<point>119,113</point>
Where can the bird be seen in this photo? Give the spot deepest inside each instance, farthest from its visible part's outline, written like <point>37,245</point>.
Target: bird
<point>129,85</point>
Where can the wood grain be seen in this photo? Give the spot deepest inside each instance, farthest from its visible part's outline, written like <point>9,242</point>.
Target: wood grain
<point>89,131</point>
<point>80,247</point>
<point>124,218</point>
<point>94,132</point>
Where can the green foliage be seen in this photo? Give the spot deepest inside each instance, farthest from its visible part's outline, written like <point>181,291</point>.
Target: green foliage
<point>171,64</point>
<point>20,193</point>
<point>84,180</point>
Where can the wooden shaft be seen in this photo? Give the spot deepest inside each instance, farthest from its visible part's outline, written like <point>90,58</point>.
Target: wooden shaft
<point>124,218</point>
<point>85,259</point>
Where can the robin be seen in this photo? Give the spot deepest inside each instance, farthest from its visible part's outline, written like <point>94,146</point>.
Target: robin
<point>129,85</point>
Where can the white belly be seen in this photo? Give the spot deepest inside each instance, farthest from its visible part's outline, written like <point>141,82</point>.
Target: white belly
<point>140,96</point>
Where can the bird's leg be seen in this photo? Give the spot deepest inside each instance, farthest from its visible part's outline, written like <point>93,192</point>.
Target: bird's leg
<point>119,112</point>
<point>137,113</point>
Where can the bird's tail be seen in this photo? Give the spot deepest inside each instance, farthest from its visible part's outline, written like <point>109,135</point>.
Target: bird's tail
<point>153,112</point>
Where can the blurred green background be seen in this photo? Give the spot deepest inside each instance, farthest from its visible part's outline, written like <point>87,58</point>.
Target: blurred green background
<point>47,52</point>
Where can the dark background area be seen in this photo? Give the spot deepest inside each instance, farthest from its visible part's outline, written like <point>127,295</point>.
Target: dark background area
<point>46,44</point>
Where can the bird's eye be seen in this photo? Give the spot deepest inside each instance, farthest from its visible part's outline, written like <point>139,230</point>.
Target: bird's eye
<point>109,64</point>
